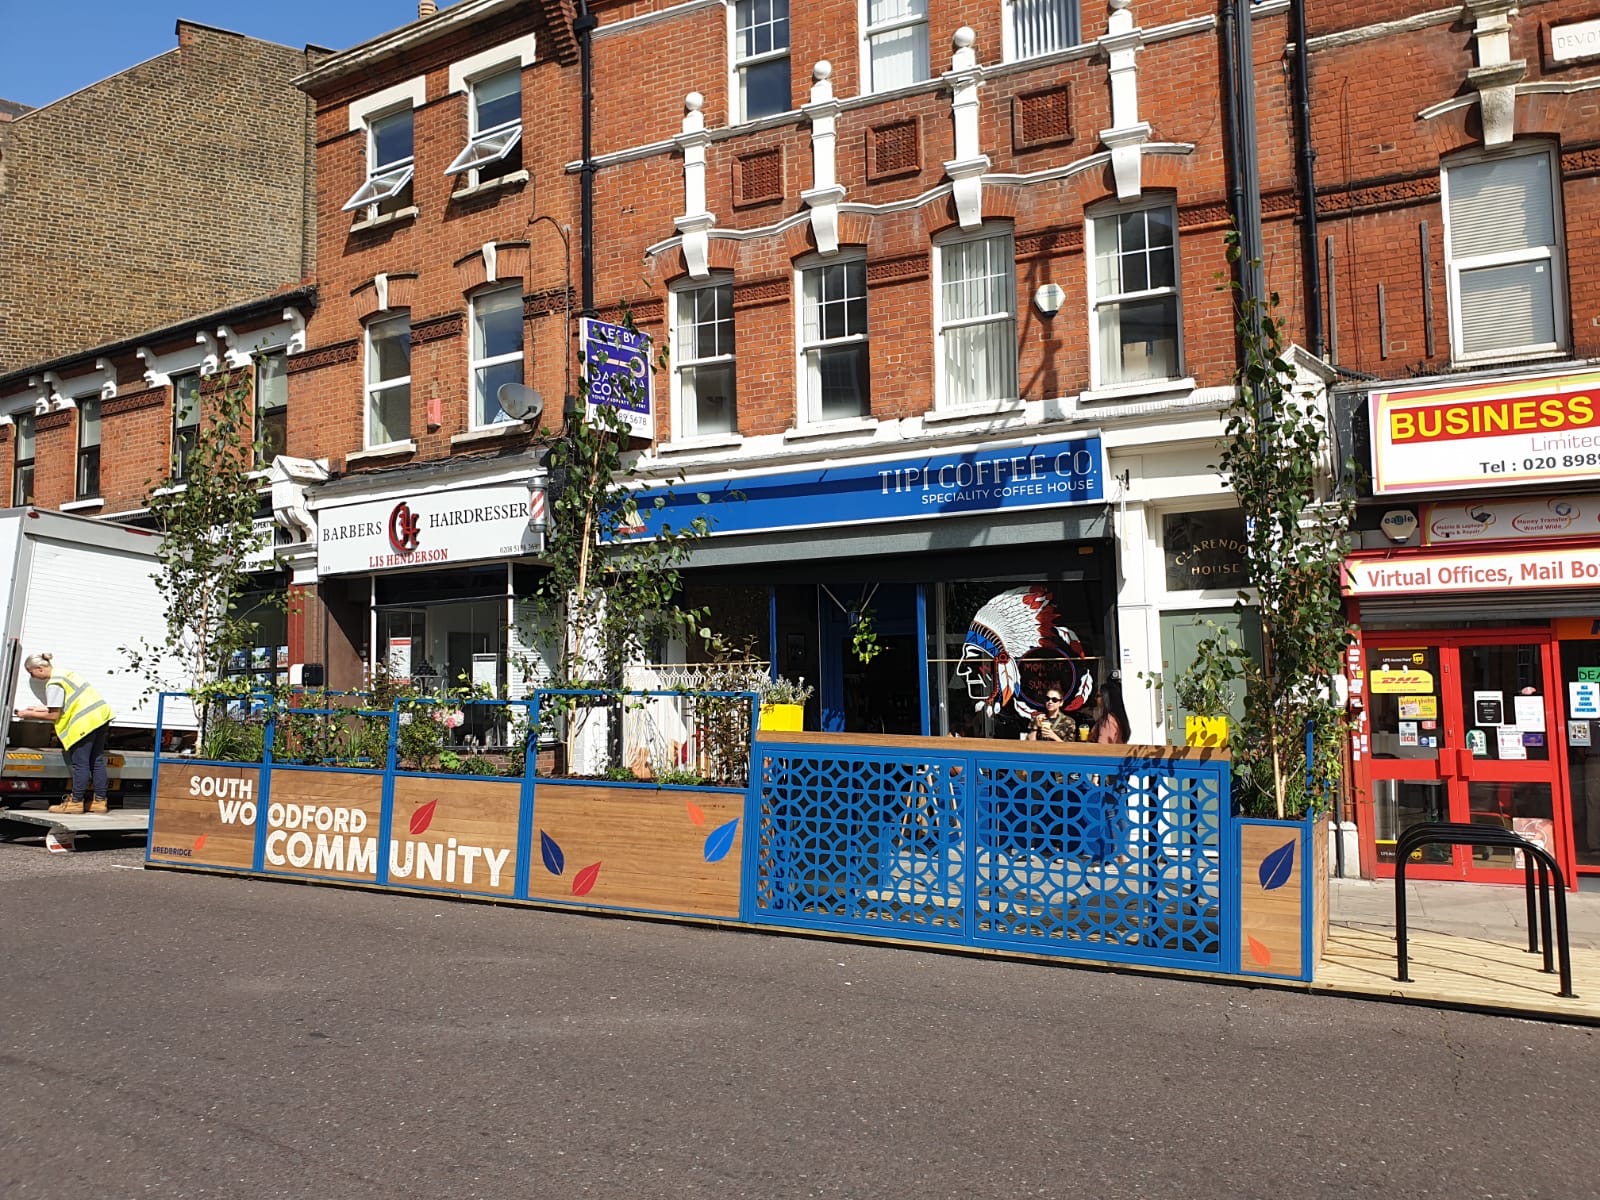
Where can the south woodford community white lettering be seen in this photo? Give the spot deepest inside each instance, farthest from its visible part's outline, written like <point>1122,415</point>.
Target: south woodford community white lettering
<point>1022,474</point>
<point>328,837</point>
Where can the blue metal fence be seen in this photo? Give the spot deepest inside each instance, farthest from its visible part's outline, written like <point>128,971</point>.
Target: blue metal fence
<point>1085,856</point>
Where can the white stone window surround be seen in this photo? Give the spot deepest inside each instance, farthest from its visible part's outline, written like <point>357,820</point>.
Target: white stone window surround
<point>363,114</point>
<point>913,15</point>
<point>288,335</point>
<point>1552,254</point>
<point>812,303</point>
<point>491,299</point>
<point>1039,15</point>
<point>159,368</point>
<point>1101,305</point>
<point>464,76</point>
<point>686,429</point>
<point>739,63</point>
<point>943,242</point>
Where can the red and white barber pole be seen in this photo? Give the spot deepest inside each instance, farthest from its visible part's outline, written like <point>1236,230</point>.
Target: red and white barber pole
<point>539,506</point>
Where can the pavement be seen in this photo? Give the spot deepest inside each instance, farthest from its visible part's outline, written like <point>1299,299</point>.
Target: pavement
<point>1487,912</point>
<point>193,1036</point>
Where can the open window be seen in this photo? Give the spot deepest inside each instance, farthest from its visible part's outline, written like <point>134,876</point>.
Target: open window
<point>390,165</point>
<point>494,134</point>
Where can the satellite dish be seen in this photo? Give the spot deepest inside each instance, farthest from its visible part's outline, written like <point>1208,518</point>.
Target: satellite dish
<point>520,401</point>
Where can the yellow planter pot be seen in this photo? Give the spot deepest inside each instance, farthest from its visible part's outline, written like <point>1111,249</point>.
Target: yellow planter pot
<point>783,718</point>
<point>1210,732</point>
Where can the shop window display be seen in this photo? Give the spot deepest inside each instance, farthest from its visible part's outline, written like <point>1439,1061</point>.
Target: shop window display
<point>1002,649</point>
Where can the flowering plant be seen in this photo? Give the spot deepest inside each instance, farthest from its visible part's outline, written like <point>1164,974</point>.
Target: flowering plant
<point>785,691</point>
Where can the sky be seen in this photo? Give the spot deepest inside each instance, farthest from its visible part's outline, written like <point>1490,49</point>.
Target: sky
<point>52,48</point>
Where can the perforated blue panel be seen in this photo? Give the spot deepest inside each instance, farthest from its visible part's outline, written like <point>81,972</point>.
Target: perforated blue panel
<point>1088,857</point>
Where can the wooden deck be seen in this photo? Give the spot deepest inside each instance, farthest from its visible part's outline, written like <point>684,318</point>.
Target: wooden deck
<point>1458,972</point>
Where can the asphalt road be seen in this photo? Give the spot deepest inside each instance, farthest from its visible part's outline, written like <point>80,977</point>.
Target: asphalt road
<point>178,1035</point>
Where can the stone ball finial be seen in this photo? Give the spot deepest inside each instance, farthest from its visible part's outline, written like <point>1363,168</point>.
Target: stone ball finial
<point>823,70</point>
<point>1119,5</point>
<point>694,102</point>
<point>964,37</point>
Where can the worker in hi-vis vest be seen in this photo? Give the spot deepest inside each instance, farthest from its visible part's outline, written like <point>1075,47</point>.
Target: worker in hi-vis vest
<point>83,723</point>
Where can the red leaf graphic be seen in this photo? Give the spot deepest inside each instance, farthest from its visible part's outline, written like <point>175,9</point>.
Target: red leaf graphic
<point>200,843</point>
<point>422,818</point>
<point>583,881</point>
<point>1259,952</point>
<point>695,815</point>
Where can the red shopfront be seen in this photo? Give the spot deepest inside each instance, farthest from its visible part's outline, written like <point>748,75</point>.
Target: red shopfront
<point>1476,685</point>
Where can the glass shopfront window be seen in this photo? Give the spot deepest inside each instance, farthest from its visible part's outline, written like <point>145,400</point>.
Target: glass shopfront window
<point>440,634</point>
<point>265,662</point>
<point>996,648</point>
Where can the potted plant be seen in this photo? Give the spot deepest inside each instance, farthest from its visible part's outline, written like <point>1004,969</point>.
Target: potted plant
<point>783,704</point>
<point>1207,688</point>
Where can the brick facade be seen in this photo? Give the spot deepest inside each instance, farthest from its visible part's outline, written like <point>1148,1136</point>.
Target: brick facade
<point>1379,170</point>
<point>432,262</point>
<point>176,187</point>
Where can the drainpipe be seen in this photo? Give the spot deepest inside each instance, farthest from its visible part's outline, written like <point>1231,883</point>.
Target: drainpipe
<point>1308,183</point>
<point>583,26</point>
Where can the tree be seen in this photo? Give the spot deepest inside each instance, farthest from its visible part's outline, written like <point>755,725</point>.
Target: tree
<point>207,522</point>
<point>610,593</point>
<point>1275,459</point>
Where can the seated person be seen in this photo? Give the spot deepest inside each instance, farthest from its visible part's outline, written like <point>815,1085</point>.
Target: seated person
<point>1053,724</point>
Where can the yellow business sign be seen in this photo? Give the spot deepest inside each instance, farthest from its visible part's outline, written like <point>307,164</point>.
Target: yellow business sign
<point>1387,680</point>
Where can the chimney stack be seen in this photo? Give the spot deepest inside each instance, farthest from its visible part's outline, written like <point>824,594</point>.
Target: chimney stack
<point>426,8</point>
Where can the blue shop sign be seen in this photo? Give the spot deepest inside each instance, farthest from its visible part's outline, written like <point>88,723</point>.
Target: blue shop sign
<point>992,480</point>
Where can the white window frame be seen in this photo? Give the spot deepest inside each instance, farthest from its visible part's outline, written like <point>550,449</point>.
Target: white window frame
<point>486,146</point>
<point>362,115</point>
<point>809,383</point>
<point>1555,255</point>
<point>256,360</point>
<point>1011,51</point>
<point>474,363</point>
<point>739,64</point>
<point>941,243</point>
<point>99,438</point>
<point>176,427</point>
<point>686,415</point>
<point>370,389</point>
<point>870,33</point>
<point>1097,369</point>
<point>18,462</point>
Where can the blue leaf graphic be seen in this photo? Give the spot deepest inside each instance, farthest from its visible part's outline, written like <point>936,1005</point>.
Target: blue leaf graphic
<point>554,861</point>
<point>721,841</point>
<point>1275,867</point>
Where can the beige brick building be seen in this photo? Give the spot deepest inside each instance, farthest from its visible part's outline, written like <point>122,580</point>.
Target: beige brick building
<point>179,186</point>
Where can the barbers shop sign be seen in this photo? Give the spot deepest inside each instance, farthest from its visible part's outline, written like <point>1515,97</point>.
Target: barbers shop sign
<point>451,526</point>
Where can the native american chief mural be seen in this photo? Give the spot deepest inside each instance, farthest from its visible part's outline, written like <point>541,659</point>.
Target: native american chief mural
<point>1016,649</point>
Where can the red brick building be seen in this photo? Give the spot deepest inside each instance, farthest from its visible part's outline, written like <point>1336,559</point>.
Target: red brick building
<point>445,218</point>
<point>940,286</point>
<point>1456,206</point>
